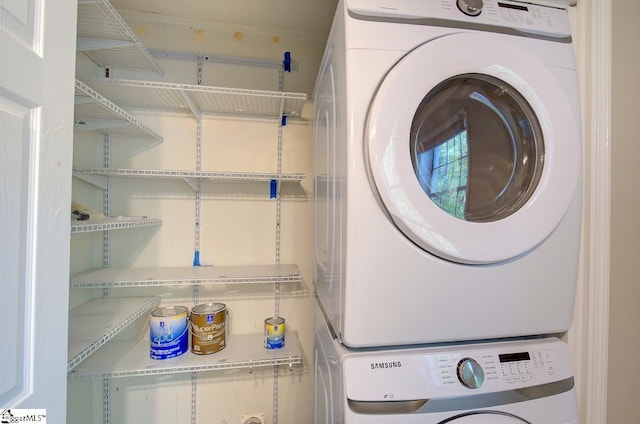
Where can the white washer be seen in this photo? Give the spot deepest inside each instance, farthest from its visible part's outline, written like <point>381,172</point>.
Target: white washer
<point>447,171</point>
<point>528,381</point>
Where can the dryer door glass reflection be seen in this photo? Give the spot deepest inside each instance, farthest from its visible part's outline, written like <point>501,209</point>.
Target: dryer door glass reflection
<point>477,148</point>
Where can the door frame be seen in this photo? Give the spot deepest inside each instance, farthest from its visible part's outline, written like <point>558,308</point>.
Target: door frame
<point>589,336</point>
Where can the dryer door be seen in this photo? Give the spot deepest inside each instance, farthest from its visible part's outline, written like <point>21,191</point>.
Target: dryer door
<point>473,148</point>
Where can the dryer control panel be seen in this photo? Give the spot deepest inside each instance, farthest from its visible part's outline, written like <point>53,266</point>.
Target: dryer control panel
<point>442,372</point>
<point>494,15</point>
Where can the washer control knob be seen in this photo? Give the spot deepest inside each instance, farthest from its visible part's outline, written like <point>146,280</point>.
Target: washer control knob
<point>470,373</point>
<point>470,7</point>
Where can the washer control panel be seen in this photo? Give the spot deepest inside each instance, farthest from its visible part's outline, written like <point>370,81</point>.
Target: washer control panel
<point>461,370</point>
<point>470,373</point>
<point>470,7</point>
<point>507,368</point>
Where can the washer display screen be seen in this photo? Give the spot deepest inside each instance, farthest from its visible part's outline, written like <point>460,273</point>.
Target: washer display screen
<point>477,148</point>
<point>514,357</point>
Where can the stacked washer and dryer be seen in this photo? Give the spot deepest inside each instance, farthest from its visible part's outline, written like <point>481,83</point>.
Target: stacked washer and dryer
<point>447,213</point>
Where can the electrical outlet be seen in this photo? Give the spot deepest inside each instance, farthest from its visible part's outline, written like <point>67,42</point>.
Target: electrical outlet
<point>257,418</point>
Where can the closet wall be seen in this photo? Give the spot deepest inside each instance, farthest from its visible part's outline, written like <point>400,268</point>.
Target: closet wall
<point>237,224</point>
<point>624,338</point>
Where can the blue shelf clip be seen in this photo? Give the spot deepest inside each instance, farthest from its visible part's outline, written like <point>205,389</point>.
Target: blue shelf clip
<point>196,258</point>
<point>284,120</point>
<point>273,189</point>
<point>286,63</point>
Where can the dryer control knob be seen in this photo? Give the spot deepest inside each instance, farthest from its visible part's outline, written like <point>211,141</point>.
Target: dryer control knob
<point>470,7</point>
<point>470,373</point>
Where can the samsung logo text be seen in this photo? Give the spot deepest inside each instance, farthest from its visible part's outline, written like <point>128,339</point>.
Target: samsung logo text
<point>385,365</point>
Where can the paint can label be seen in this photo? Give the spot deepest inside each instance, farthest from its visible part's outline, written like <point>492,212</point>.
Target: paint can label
<point>168,332</point>
<point>274,332</point>
<point>208,328</point>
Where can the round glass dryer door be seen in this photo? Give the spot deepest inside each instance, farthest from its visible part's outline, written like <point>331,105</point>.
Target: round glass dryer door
<point>473,148</point>
<point>477,148</point>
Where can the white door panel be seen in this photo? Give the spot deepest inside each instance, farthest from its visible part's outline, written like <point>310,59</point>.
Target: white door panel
<point>15,124</point>
<point>36,124</point>
<point>17,18</point>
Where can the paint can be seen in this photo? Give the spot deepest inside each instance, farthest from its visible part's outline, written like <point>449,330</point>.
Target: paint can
<point>168,332</point>
<point>274,333</point>
<point>208,328</point>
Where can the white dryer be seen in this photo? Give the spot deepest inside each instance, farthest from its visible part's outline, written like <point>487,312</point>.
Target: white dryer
<point>527,381</point>
<point>447,171</point>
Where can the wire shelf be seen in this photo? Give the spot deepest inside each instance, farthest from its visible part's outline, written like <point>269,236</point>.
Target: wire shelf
<point>243,351</point>
<point>113,223</point>
<point>188,174</point>
<point>98,321</point>
<point>200,98</point>
<point>107,39</point>
<point>93,111</point>
<point>199,275</point>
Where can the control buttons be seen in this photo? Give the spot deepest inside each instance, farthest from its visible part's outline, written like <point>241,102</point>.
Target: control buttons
<point>470,7</point>
<point>470,373</point>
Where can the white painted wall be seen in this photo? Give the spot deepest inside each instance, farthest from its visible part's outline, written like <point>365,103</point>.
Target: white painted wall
<point>624,333</point>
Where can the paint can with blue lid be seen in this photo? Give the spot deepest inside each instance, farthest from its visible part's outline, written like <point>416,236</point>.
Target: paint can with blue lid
<point>168,332</point>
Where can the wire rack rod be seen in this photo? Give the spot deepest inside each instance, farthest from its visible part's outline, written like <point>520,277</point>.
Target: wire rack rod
<point>94,111</point>
<point>112,223</point>
<point>189,174</point>
<point>243,351</point>
<point>107,39</point>
<point>201,275</point>
<point>207,99</point>
<point>95,323</point>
